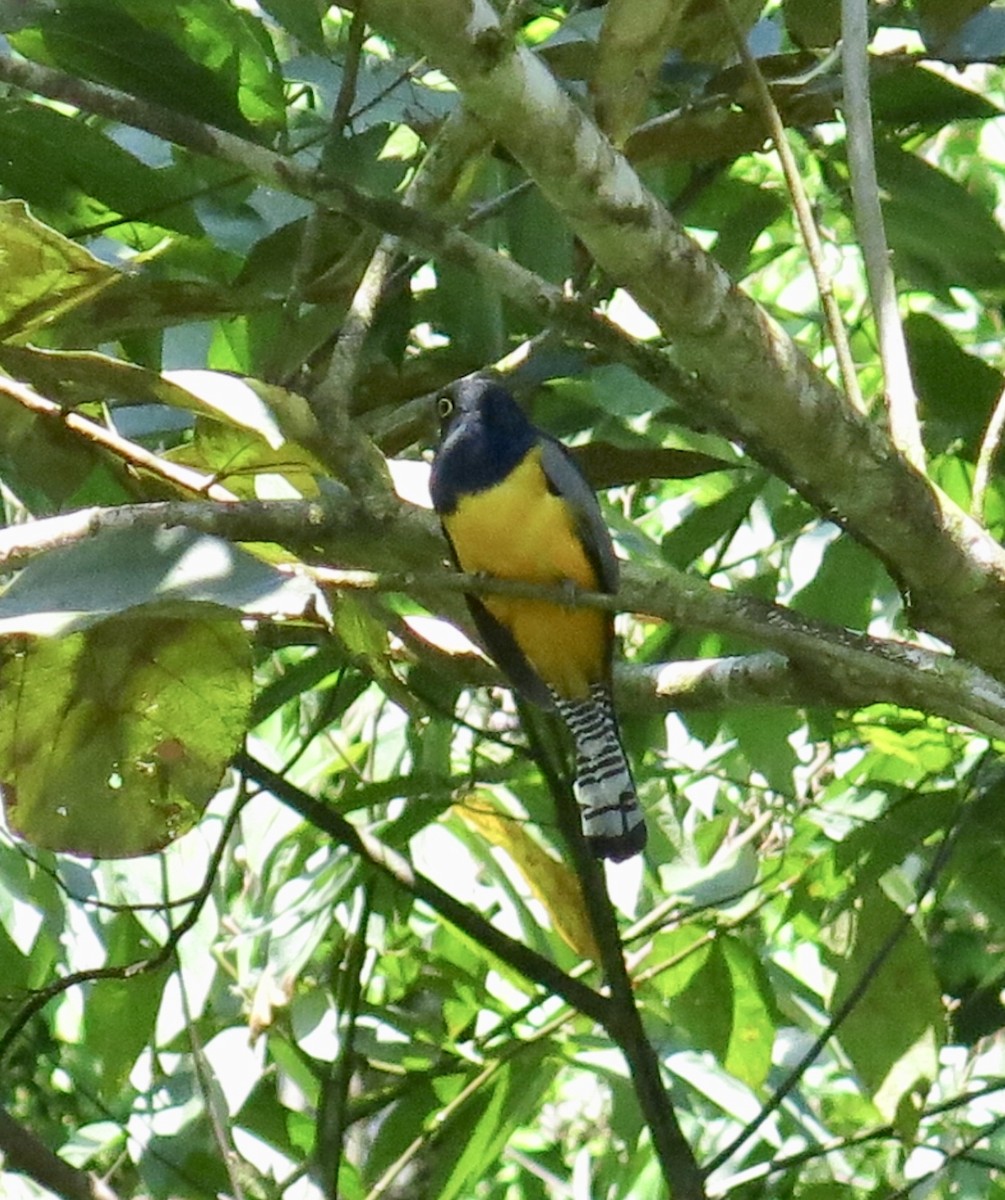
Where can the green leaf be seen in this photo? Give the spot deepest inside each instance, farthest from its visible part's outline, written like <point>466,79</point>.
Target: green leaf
<point>248,465</point>
<point>302,18</point>
<point>173,571</point>
<point>275,414</point>
<point>40,462</point>
<point>956,390</point>
<point>487,1121</point>
<point>978,864</point>
<point>86,178</point>
<point>895,1029</point>
<point>44,273</point>
<point>941,235</point>
<point>101,40</point>
<point>86,377</point>
<point>112,741</point>
<point>121,1013</point>
<point>738,211</point>
<point>763,736</point>
<point>676,956</point>
<point>843,587</point>
<point>538,238</point>
<point>704,526</point>
<point>916,96</point>
<point>705,1007</point>
<point>752,1038</point>
<point>868,852</point>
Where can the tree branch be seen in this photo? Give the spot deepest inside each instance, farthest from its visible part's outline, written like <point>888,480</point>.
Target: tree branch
<point>990,446</point>
<point>129,452</point>
<point>677,1162</point>
<point>23,1152</point>
<point>804,213</point>
<point>823,663</point>
<point>763,390</point>
<point>676,1158</point>
<point>529,963</point>
<point>40,998</point>
<point>737,369</point>
<point>901,401</point>
<point>851,1001</point>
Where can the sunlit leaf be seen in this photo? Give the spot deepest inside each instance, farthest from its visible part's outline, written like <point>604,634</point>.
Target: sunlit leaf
<point>554,883</point>
<point>45,274</point>
<point>175,570</point>
<point>893,1033</point>
<point>113,740</point>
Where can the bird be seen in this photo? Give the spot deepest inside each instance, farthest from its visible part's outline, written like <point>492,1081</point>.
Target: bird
<point>514,505</point>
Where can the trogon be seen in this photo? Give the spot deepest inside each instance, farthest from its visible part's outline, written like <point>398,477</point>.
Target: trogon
<point>514,505</point>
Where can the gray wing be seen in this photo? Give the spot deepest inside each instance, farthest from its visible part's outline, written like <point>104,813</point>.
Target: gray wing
<point>566,480</point>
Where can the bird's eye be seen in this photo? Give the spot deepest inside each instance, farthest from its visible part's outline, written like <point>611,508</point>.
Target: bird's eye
<point>444,407</point>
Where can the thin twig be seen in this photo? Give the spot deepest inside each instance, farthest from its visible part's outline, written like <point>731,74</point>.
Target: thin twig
<point>24,1152</point>
<point>851,1001</point>
<point>844,668</point>
<point>533,966</point>
<point>213,1103</point>
<point>901,400</point>
<point>129,452</point>
<point>990,445</point>
<point>422,231</point>
<point>332,1119</point>
<point>341,111</point>
<point>677,1162</point>
<point>804,213</point>
<point>962,1152</point>
<point>40,998</point>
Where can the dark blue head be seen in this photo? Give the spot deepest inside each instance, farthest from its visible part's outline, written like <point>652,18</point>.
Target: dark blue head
<point>483,435</point>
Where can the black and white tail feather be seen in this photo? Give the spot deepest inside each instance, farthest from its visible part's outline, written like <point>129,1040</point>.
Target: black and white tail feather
<point>613,822</point>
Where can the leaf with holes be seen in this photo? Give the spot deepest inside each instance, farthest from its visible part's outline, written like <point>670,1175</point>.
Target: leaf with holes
<point>114,739</point>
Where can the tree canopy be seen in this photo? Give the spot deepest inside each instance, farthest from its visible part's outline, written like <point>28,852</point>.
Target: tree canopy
<point>292,899</point>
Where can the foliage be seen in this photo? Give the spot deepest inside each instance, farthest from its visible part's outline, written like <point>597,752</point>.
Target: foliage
<point>366,963</point>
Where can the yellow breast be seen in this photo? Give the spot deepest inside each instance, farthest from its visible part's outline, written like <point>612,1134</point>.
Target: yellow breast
<point>520,530</point>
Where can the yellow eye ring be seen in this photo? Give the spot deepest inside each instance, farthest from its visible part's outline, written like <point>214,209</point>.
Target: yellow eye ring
<point>444,407</point>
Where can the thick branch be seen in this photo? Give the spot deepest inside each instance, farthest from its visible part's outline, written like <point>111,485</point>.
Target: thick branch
<point>676,1158</point>
<point>755,384</point>
<point>418,229</point>
<point>823,664</point>
<point>766,393</point>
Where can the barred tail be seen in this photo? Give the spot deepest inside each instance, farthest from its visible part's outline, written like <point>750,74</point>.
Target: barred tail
<point>613,823</point>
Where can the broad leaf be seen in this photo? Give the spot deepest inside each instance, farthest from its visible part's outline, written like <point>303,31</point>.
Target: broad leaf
<point>894,1032</point>
<point>113,740</point>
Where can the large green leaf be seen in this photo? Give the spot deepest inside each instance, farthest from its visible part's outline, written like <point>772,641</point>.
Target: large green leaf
<point>148,54</point>
<point>121,1012</point>
<point>957,390</point>
<point>940,234</point>
<point>893,1033</point>
<point>113,740</point>
<point>44,273</point>
<point>86,178</point>
<point>166,572</point>
<point>704,526</point>
<point>748,1054</point>
<point>488,1120</point>
<point>843,588</point>
<point>916,96</point>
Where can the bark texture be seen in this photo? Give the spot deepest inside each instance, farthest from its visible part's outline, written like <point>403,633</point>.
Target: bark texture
<point>763,390</point>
